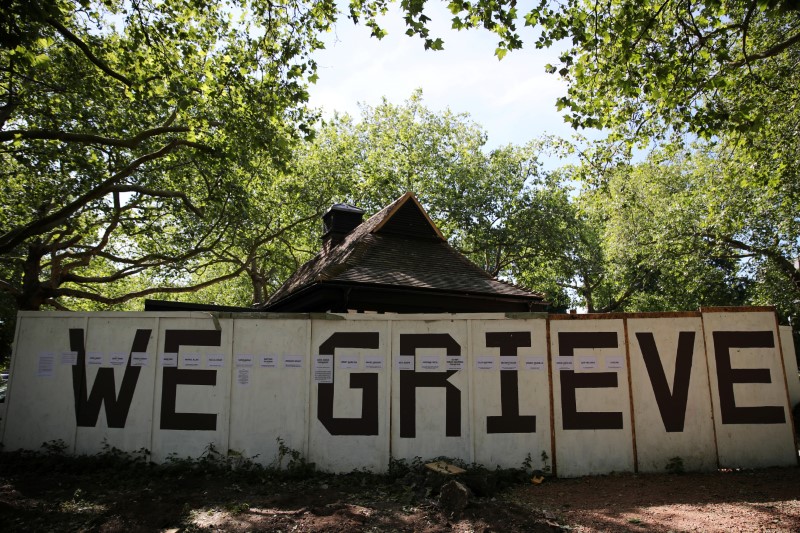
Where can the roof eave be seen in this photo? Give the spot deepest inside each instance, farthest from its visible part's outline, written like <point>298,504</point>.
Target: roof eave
<point>349,295</point>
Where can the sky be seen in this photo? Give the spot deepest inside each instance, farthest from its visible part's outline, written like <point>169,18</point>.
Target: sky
<point>513,98</point>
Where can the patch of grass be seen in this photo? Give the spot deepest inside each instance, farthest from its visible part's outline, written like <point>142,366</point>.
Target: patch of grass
<point>675,465</point>
<point>297,466</point>
<point>237,507</point>
<point>81,504</point>
<point>54,447</point>
<point>545,463</point>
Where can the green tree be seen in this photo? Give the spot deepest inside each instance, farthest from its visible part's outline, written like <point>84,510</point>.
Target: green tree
<point>684,229</point>
<point>127,137</point>
<point>276,232</point>
<point>705,66</point>
<point>644,69</point>
<point>496,206</point>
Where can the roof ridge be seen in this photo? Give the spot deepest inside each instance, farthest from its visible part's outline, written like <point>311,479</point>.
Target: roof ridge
<point>398,204</point>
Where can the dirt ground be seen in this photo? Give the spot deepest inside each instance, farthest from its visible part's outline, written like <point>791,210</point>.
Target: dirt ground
<point>64,494</point>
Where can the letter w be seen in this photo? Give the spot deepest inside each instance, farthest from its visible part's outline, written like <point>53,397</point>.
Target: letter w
<point>104,390</point>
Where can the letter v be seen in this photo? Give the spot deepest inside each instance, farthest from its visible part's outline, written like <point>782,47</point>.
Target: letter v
<point>104,390</point>
<point>672,405</point>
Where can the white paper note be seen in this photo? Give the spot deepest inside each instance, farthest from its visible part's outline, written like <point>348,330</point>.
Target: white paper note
<point>563,363</point>
<point>215,360</point>
<point>69,358</point>
<point>535,363</point>
<point>405,362</point>
<point>244,360</point>
<point>454,362</point>
<point>485,362</point>
<point>508,362</point>
<point>374,362</point>
<point>191,360</point>
<point>323,369</point>
<point>46,365</point>
<point>269,361</point>
<point>140,359</point>
<point>243,376</point>
<point>430,363</point>
<point>292,361</point>
<point>349,362</point>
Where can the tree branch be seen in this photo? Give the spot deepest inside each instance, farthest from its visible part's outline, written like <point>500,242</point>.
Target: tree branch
<point>152,260</point>
<point>137,266</point>
<point>648,25</point>
<point>89,138</point>
<point>770,52</point>
<point>785,265</point>
<point>280,232</point>
<point>99,63</point>
<point>13,238</point>
<point>157,192</point>
<point>9,288</point>
<point>76,293</point>
<point>615,303</point>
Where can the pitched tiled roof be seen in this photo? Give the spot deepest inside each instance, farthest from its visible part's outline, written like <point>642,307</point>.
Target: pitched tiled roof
<point>400,247</point>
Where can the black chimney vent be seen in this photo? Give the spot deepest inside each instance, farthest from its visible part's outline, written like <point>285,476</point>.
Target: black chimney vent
<point>340,220</point>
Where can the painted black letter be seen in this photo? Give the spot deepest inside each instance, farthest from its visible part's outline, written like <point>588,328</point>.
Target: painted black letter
<point>368,423</point>
<point>411,379</point>
<point>671,405</point>
<point>104,389</point>
<point>727,377</point>
<point>570,381</point>
<point>510,421</point>
<point>172,377</point>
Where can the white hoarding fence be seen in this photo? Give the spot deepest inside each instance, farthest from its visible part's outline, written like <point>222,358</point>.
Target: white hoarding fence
<point>581,394</point>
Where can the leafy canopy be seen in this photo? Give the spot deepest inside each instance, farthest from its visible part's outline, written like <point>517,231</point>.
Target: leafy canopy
<point>496,206</point>
<point>129,135</point>
<point>681,230</point>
